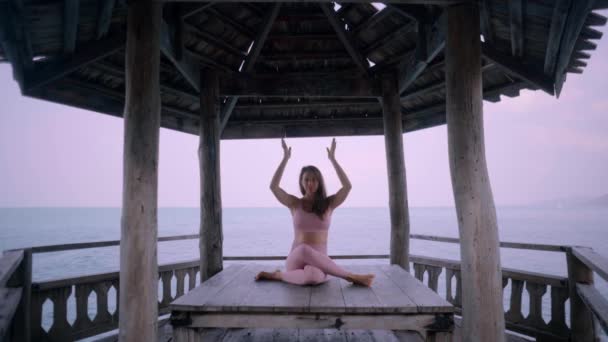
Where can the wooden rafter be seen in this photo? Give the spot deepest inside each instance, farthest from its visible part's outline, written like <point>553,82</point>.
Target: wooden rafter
<point>412,67</point>
<point>194,9</point>
<point>345,37</point>
<point>516,21</point>
<point>389,37</point>
<point>558,20</point>
<point>577,16</point>
<point>70,24</point>
<point>486,25</point>
<point>436,86</point>
<point>236,25</point>
<point>45,72</point>
<point>105,17</point>
<point>515,67</point>
<point>405,2</point>
<point>373,19</point>
<point>302,86</point>
<point>186,65</point>
<point>250,60</point>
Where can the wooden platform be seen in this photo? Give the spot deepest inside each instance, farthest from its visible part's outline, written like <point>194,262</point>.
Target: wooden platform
<point>233,299</point>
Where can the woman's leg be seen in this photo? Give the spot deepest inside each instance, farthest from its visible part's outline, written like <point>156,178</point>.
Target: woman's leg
<point>309,275</point>
<point>304,254</point>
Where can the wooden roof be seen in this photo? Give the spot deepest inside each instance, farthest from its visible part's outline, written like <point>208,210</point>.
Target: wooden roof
<point>72,52</point>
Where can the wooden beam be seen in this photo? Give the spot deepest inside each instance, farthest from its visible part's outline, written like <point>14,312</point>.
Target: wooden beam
<point>577,15</point>
<point>373,20</point>
<point>516,68</point>
<point>411,68</point>
<point>558,20</point>
<point>70,24</point>
<point>195,9</point>
<point>393,142</point>
<point>211,237</point>
<point>45,72</point>
<point>138,300</point>
<point>406,2</point>
<point>236,25</point>
<point>582,327</point>
<point>250,60</point>
<point>104,18</point>
<point>346,38</point>
<point>482,299</point>
<point>328,86</point>
<point>516,21</point>
<point>186,65</point>
<point>438,85</point>
<point>409,27</point>
<point>218,43</point>
<point>486,24</point>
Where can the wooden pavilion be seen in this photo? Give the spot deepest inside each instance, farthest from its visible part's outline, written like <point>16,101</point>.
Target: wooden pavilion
<point>244,70</point>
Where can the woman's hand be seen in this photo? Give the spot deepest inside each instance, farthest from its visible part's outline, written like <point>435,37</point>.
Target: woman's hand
<point>331,151</point>
<point>286,150</point>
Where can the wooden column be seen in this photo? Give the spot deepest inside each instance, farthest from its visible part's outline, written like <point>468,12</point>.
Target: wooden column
<point>395,166</point>
<point>582,325</point>
<point>138,298</point>
<point>211,236</point>
<point>482,314</point>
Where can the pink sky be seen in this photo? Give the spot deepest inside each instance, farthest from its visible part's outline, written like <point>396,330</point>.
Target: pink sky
<point>538,148</point>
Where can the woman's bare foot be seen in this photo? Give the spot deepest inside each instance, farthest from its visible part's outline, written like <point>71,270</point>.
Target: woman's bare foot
<point>361,279</point>
<point>276,275</point>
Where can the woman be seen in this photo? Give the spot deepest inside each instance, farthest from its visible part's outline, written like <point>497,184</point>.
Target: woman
<point>308,263</point>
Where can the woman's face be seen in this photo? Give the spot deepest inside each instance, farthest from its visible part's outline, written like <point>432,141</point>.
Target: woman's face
<point>310,183</point>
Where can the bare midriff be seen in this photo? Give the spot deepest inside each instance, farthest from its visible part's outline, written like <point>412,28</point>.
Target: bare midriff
<point>311,237</point>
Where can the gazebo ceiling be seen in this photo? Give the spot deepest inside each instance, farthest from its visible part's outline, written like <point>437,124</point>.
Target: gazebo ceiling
<point>72,52</point>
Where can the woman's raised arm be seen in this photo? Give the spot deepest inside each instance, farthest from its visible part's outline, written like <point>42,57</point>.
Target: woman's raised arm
<point>283,197</point>
<point>341,195</point>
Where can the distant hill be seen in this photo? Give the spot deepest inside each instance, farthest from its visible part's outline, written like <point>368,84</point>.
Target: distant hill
<point>601,201</point>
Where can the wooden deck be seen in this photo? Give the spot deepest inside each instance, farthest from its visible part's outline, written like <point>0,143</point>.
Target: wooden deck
<point>233,299</point>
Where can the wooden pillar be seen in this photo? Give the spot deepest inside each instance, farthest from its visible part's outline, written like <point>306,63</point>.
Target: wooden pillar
<point>395,166</point>
<point>482,314</point>
<point>138,297</point>
<point>211,236</point>
<point>582,327</point>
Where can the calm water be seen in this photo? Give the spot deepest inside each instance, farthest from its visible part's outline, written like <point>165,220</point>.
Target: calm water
<point>268,231</point>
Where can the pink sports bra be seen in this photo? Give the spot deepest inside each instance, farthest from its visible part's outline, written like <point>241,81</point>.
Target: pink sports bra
<point>310,222</point>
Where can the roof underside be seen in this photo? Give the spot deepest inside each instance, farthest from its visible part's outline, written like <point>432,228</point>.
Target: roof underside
<point>72,52</point>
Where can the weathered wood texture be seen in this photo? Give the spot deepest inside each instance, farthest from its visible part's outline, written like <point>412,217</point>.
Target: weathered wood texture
<point>138,252</point>
<point>395,165</point>
<point>211,235</point>
<point>595,302</point>
<point>479,248</point>
<point>233,298</point>
<point>22,279</point>
<point>581,316</point>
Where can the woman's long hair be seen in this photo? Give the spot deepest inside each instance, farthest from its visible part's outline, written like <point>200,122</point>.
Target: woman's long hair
<point>320,202</point>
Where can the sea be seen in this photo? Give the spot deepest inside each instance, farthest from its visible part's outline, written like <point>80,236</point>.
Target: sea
<point>268,231</point>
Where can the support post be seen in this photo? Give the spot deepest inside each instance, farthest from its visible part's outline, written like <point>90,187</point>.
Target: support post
<point>138,299</point>
<point>395,166</point>
<point>211,236</point>
<point>483,317</point>
<point>23,279</point>
<point>582,327</point>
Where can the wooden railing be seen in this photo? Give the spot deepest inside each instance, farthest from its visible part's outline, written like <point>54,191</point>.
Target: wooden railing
<point>178,278</point>
<point>15,290</point>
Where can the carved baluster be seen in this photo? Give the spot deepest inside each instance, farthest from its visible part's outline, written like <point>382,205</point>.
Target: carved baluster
<point>514,314</point>
<point>82,306</point>
<point>458,298</point>
<point>38,299</point>
<point>419,271</point>
<point>449,273</point>
<point>166,278</point>
<point>559,295</point>
<point>536,291</point>
<point>191,278</point>
<point>61,329</point>
<point>434,273</point>
<point>180,274</point>
<point>101,290</point>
